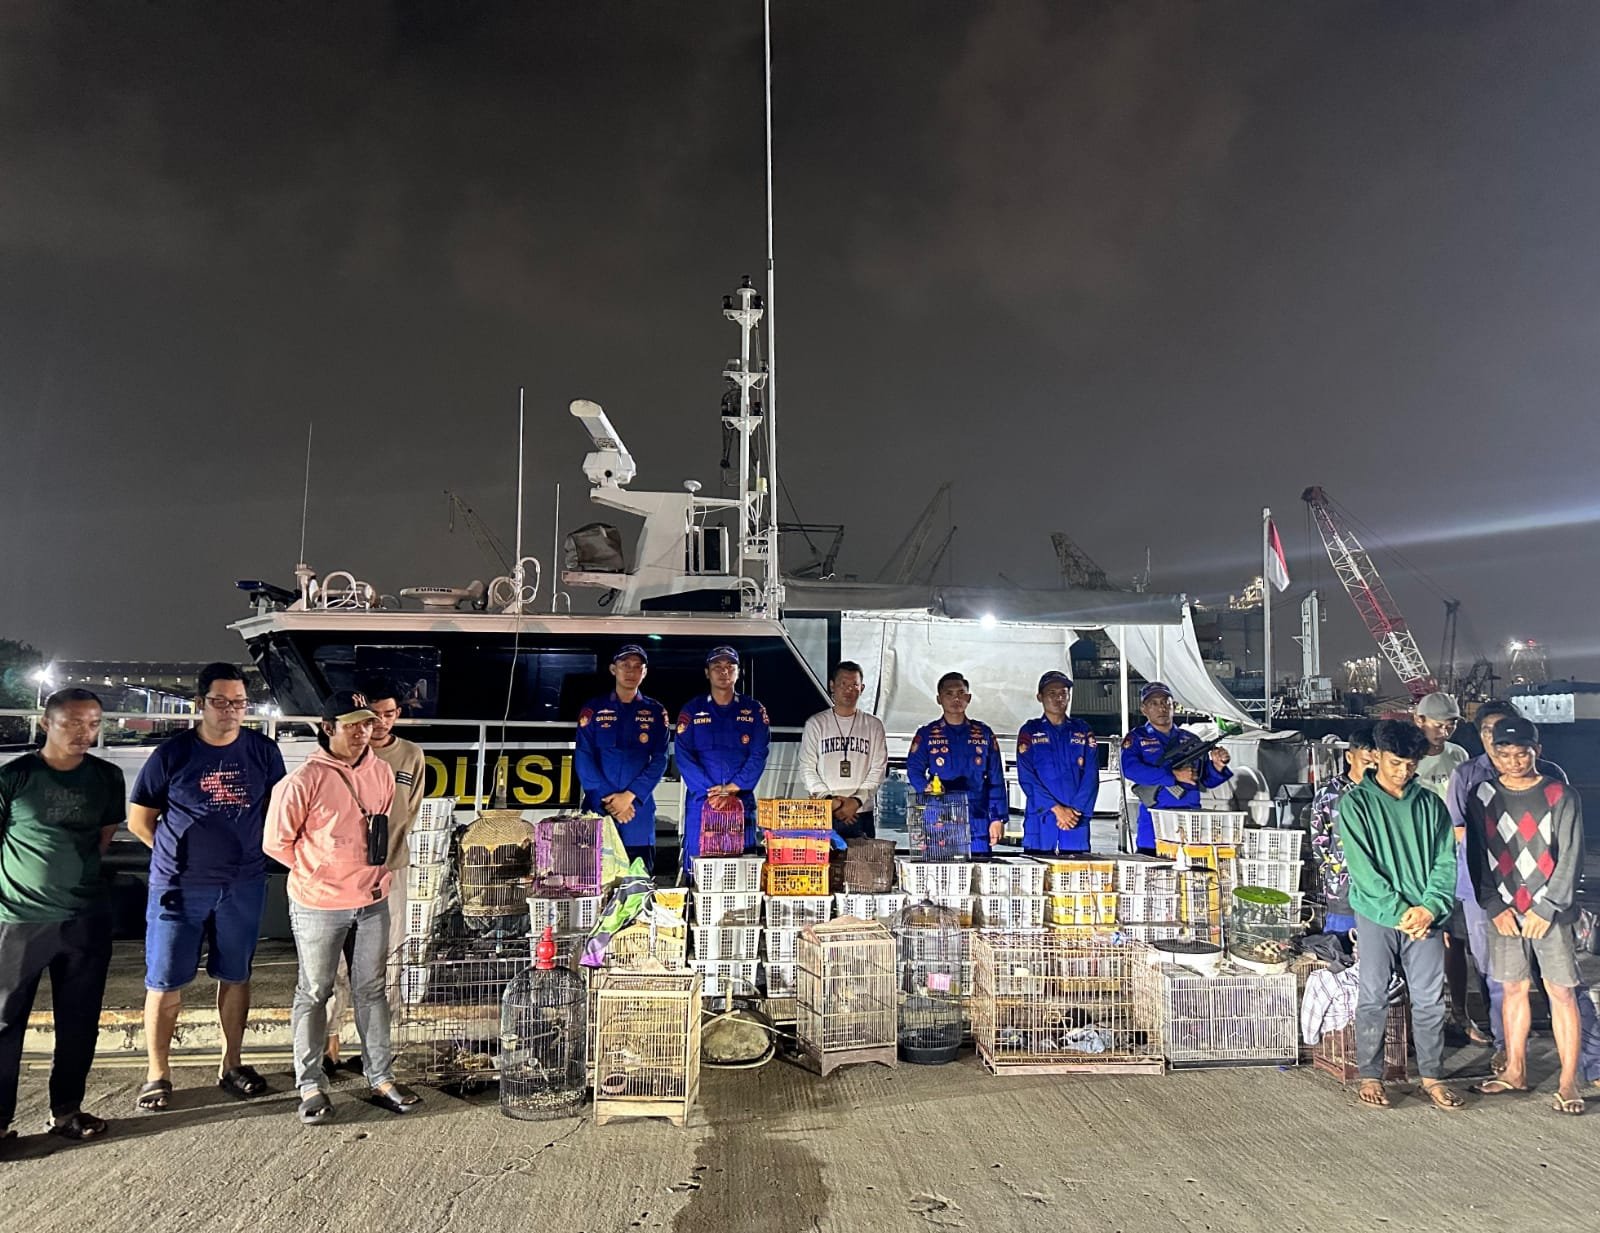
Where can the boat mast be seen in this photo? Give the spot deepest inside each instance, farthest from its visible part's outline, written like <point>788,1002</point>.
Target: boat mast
<point>772,589</point>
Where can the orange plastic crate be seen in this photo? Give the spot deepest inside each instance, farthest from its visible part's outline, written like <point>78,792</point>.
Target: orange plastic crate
<point>777,814</point>
<point>796,879</point>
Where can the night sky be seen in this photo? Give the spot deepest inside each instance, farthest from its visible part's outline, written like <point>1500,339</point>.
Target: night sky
<point>1128,270</point>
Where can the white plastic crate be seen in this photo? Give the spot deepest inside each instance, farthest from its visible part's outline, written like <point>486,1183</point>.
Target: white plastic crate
<point>1271,845</point>
<point>925,879</point>
<point>881,908</point>
<point>1274,875</point>
<point>720,976</point>
<point>1152,933</point>
<point>420,915</point>
<point>727,942</point>
<point>963,905</point>
<point>794,911</point>
<point>436,813</point>
<point>930,946</point>
<point>1198,825</point>
<point>781,945</point>
<point>719,908</point>
<point>426,881</point>
<point>414,983</point>
<point>1147,909</point>
<point>563,915</point>
<point>430,846</point>
<point>1076,877</point>
<point>1146,876</point>
<point>1010,875</point>
<point>780,980</point>
<point>1009,911</point>
<point>727,874</point>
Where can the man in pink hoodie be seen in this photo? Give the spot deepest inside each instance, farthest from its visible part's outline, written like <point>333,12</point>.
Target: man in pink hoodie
<point>329,823</point>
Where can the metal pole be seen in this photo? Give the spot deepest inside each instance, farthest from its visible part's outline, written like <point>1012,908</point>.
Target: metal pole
<point>774,576</point>
<point>1122,676</point>
<point>555,551</point>
<point>1266,617</point>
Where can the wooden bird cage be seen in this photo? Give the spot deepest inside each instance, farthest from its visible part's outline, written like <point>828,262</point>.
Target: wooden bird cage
<point>646,1045</point>
<point>569,854</point>
<point>496,872</point>
<point>1044,1003</point>
<point>845,989</point>
<point>866,867</point>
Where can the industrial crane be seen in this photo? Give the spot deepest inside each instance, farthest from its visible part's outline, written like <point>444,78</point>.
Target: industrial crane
<point>1371,596</point>
<point>488,542</point>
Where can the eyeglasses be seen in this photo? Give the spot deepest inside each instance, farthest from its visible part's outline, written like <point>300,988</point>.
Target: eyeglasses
<point>227,704</point>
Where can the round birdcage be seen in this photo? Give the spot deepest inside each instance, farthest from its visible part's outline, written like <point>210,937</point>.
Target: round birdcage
<point>928,940</point>
<point>543,1035</point>
<point>496,871</point>
<point>1260,929</point>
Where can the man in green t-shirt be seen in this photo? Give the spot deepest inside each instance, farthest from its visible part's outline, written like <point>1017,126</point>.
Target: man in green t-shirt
<point>1400,850</point>
<point>59,808</point>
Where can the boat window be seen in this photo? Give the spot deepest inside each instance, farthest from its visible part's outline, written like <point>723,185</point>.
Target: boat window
<point>811,639</point>
<point>414,670</point>
<point>546,685</point>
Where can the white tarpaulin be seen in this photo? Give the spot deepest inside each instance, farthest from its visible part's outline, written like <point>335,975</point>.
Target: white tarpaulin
<point>1171,653</point>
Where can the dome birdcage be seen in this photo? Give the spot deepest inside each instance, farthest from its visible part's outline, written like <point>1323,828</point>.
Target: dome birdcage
<point>932,983</point>
<point>543,1037</point>
<point>496,865</point>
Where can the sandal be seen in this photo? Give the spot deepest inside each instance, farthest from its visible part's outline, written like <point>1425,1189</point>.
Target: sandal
<point>1477,1035</point>
<point>243,1082</point>
<point>1498,1062</point>
<point>154,1096</point>
<point>78,1126</point>
<point>1371,1093</point>
<point>316,1109</point>
<point>1443,1095</point>
<point>1573,1106</point>
<point>396,1098</point>
<point>1494,1087</point>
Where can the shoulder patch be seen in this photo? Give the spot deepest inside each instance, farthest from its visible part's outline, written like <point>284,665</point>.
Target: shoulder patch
<point>1024,741</point>
<point>683,722</point>
<point>1127,741</point>
<point>584,716</point>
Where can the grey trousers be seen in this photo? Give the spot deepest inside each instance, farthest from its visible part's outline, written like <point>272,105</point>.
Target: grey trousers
<point>321,936</point>
<point>1381,950</point>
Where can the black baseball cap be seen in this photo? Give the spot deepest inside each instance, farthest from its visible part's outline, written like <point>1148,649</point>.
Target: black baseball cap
<point>1515,730</point>
<point>346,706</point>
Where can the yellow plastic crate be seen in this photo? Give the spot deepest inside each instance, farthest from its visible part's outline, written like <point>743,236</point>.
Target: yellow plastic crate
<point>1083,908</point>
<point>786,814</point>
<point>796,879</point>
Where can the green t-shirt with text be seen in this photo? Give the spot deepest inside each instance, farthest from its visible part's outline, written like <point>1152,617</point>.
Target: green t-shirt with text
<point>50,824</point>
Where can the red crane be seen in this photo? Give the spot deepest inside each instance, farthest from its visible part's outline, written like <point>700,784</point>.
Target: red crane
<point>1370,596</point>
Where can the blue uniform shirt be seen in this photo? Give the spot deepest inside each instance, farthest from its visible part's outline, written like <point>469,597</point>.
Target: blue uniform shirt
<point>720,744</point>
<point>966,758</point>
<point>1142,751</point>
<point>1057,766</point>
<point>622,747</point>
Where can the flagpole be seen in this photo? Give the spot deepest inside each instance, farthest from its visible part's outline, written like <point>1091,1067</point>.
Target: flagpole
<point>1266,616</point>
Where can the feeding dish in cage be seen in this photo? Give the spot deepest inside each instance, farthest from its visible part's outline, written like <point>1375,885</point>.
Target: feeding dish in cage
<point>543,1036</point>
<point>1201,957</point>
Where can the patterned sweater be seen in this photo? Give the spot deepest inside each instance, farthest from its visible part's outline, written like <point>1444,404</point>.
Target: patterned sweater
<point>1525,848</point>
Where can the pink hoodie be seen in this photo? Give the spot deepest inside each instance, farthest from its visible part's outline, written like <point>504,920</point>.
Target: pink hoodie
<point>315,827</point>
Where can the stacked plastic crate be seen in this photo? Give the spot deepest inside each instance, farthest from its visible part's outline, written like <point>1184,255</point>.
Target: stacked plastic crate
<point>1148,904</point>
<point>946,883</point>
<point>1082,896</point>
<point>728,911</point>
<point>429,891</point>
<point>1202,840</point>
<point>1272,858</point>
<point>787,915</point>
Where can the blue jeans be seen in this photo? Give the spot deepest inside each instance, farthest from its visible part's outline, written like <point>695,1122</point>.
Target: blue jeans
<point>1381,949</point>
<point>321,935</point>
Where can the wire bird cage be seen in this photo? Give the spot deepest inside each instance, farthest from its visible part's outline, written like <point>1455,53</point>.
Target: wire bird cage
<point>496,866</point>
<point>1048,1004</point>
<point>846,993</point>
<point>569,852</point>
<point>866,867</point>
<point>543,1039</point>
<point>1260,929</point>
<point>721,829</point>
<point>929,941</point>
<point>938,827</point>
<point>646,1045</point>
<point>1335,1053</point>
<point>1235,1019</point>
<point>447,1028</point>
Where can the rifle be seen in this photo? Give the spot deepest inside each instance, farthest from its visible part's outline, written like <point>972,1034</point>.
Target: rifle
<point>1187,750</point>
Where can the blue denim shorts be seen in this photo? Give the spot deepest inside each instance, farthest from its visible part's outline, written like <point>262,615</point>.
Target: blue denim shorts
<point>226,920</point>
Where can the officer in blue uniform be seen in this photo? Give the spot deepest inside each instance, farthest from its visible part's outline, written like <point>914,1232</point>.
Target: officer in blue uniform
<point>1142,751</point>
<point>965,756</point>
<point>622,754</point>
<point>722,749</point>
<point>1060,772</point>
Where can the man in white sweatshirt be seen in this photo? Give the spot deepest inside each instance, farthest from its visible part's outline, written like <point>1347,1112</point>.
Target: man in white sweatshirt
<point>844,754</point>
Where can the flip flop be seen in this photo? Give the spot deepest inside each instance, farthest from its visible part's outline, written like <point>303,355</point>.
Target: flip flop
<point>316,1109</point>
<point>80,1126</point>
<point>1572,1108</point>
<point>1443,1096</point>
<point>1494,1087</point>
<point>1364,1093</point>
<point>154,1096</point>
<point>243,1082</point>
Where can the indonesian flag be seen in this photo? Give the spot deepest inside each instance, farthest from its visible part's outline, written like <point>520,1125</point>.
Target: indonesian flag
<point>1277,566</point>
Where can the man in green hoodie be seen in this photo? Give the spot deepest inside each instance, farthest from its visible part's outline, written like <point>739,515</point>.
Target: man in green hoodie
<point>1400,849</point>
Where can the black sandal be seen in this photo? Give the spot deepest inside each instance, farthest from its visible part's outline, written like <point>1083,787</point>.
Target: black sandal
<point>398,1099</point>
<point>243,1082</point>
<point>316,1108</point>
<point>154,1096</point>
<point>77,1126</point>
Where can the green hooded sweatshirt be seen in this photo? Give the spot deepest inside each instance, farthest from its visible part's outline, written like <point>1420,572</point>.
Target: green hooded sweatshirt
<point>1401,853</point>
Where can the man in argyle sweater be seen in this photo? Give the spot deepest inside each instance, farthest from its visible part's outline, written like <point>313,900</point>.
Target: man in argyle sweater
<point>1525,853</point>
